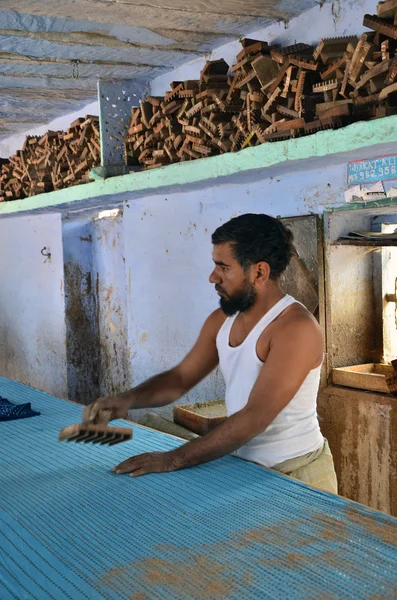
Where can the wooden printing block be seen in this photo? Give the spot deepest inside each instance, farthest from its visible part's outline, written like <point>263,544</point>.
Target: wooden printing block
<point>233,86</point>
<point>209,109</point>
<point>295,124</point>
<point>387,10</point>
<point>385,111</point>
<point>377,70</point>
<point>380,26</point>
<point>339,108</point>
<point>376,84</point>
<point>209,124</point>
<point>249,77</point>
<point>214,69</point>
<point>194,110</point>
<point>252,47</point>
<point>334,68</point>
<point>272,100</point>
<point>362,53</point>
<point>256,97</point>
<point>182,109</point>
<point>287,82</point>
<point>279,136</point>
<point>265,68</point>
<point>201,149</point>
<point>333,47</point>
<point>387,91</point>
<point>207,131</point>
<point>76,123</point>
<point>385,51</point>
<point>280,55</point>
<point>136,129</point>
<point>300,90</point>
<point>170,108</point>
<point>146,113</point>
<point>303,63</point>
<point>96,434</point>
<point>154,100</point>
<point>326,86</point>
<point>392,74</point>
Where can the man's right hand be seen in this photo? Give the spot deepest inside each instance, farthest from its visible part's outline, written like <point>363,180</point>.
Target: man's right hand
<point>106,409</point>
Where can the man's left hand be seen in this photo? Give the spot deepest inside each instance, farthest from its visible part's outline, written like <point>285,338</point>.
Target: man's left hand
<point>150,462</point>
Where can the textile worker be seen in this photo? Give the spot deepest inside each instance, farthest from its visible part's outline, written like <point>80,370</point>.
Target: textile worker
<point>270,350</point>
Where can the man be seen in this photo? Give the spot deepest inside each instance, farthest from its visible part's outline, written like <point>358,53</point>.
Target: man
<point>270,350</point>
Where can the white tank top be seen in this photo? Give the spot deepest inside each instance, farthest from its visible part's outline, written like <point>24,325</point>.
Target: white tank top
<point>295,430</point>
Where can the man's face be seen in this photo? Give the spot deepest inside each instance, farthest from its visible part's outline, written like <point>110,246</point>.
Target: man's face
<point>236,292</point>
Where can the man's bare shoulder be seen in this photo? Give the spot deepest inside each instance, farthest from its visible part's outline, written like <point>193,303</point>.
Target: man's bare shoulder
<point>297,325</point>
<point>214,322</point>
<point>217,318</point>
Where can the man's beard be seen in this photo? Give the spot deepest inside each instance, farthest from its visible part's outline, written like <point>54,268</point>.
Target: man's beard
<point>239,302</point>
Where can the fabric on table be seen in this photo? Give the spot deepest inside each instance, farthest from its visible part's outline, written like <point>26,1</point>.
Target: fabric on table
<point>10,411</point>
<point>73,530</point>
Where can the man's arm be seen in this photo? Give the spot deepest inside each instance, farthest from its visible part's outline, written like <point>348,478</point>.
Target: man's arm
<point>296,350</point>
<point>166,387</point>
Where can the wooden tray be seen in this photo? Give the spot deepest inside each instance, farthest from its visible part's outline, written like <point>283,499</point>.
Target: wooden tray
<point>371,377</point>
<point>201,417</point>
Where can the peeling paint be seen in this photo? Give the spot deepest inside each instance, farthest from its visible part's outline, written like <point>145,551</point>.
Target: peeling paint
<point>82,335</point>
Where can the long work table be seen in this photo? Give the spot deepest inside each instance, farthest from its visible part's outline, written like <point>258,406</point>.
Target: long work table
<point>72,529</point>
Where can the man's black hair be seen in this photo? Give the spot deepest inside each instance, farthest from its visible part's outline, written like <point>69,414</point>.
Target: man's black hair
<point>255,238</point>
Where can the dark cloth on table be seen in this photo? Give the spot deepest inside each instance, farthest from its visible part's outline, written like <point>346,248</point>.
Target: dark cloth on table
<point>10,411</point>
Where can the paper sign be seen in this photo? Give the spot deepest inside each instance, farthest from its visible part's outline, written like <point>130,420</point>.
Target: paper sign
<point>381,168</point>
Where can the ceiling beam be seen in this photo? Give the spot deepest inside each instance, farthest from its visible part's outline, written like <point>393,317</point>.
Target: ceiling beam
<point>196,17</point>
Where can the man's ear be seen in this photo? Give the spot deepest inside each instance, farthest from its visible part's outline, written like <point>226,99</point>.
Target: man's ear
<point>261,273</point>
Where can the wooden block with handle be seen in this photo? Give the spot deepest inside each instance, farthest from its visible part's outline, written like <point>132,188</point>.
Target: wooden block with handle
<point>97,434</point>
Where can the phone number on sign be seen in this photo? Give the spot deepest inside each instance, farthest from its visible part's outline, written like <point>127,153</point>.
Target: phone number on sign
<point>372,170</point>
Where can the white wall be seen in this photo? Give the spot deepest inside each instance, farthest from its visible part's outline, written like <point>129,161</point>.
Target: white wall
<point>109,275</point>
<point>32,315</point>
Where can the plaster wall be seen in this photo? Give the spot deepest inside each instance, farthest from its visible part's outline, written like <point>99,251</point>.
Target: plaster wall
<point>81,311</point>
<point>32,305</point>
<point>109,273</point>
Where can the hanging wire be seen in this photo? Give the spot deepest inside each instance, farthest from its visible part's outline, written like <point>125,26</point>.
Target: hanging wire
<point>75,68</point>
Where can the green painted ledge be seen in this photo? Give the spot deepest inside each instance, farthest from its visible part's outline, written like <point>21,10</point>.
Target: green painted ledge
<point>364,134</point>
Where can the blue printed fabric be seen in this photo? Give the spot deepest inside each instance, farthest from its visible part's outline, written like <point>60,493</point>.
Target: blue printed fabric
<point>10,411</point>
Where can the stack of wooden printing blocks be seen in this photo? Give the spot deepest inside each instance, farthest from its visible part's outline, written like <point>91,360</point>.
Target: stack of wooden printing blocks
<point>270,94</point>
<point>53,161</point>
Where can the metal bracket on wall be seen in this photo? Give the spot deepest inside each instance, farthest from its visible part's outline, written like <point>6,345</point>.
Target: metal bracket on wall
<point>115,99</point>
